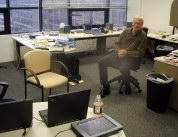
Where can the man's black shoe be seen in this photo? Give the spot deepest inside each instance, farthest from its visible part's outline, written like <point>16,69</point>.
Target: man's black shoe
<point>104,92</point>
<point>127,90</point>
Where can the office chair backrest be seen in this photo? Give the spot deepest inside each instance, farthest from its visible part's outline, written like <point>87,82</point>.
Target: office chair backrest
<point>129,24</point>
<point>37,60</point>
<point>145,29</point>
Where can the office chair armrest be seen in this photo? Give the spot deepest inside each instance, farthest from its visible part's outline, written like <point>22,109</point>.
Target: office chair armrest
<point>5,86</point>
<point>32,73</point>
<point>64,66</point>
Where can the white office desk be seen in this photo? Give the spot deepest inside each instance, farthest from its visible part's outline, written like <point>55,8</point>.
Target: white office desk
<point>39,128</point>
<point>24,40</point>
<point>165,37</point>
<point>161,38</point>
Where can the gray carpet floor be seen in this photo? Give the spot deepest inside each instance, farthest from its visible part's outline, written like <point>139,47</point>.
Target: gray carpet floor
<point>129,110</point>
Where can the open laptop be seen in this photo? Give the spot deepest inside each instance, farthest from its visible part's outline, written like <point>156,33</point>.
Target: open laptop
<point>66,107</point>
<point>15,115</point>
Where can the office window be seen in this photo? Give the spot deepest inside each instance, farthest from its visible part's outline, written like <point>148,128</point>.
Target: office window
<point>118,17</point>
<point>87,17</point>
<point>2,27</point>
<point>37,15</point>
<point>118,13</point>
<point>23,3</point>
<point>55,3</point>
<point>88,3</point>
<point>53,17</point>
<point>4,21</point>
<point>111,11</point>
<point>3,4</point>
<point>24,20</point>
<point>3,17</point>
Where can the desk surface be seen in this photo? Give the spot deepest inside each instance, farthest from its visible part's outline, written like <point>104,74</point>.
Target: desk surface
<point>31,43</point>
<point>164,36</point>
<point>39,129</point>
<point>167,60</point>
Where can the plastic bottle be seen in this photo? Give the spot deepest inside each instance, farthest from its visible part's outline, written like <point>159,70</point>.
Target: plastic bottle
<point>98,105</point>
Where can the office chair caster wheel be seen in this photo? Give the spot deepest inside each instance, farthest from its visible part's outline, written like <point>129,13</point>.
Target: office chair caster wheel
<point>139,91</point>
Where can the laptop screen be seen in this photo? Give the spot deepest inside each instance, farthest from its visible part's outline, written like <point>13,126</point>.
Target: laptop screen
<point>67,107</point>
<point>15,115</point>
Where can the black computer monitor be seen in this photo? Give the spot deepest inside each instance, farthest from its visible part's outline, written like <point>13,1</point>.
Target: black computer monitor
<point>87,27</point>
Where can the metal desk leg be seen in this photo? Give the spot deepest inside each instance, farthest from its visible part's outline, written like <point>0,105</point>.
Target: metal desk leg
<point>18,55</point>
<point>101,45</point>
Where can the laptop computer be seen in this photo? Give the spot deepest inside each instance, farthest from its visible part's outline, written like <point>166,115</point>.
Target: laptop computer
<point>15,115</point>
<point>66,108</point>
<point>87,28</point>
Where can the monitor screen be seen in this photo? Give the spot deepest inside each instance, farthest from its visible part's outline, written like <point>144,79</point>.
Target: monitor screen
<point>96,126</point>
<point>87,27</point>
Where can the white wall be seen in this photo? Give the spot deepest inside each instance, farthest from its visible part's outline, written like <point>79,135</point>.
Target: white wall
<point>156,14</point>
<point>6,48</point>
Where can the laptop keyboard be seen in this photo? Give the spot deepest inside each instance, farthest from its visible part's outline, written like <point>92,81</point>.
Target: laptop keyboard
<point>44,114</point>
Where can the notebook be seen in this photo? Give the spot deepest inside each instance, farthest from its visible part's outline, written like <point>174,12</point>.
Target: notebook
<point>66,108</point>
<point>15,115</point>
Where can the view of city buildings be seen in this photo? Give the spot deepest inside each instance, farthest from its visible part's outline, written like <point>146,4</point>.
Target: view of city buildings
<point>25,15</point>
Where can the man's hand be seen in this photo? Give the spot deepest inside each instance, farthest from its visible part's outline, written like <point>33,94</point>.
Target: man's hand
<point>122,53</point>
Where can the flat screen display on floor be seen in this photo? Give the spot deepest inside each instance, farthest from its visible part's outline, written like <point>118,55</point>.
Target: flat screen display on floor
<point>97,126</point>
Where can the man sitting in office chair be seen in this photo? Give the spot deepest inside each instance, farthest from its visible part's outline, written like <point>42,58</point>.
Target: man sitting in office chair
<point>131,45</point>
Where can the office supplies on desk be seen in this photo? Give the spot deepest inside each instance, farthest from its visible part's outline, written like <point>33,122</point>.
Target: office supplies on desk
<point>96,31</point>
<point>66,107</point>
<point>15,115</point>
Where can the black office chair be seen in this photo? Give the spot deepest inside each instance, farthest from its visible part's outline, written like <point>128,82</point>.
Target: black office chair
<point>145,29</point>
<point>4,86</point>
<point>132,80</point>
